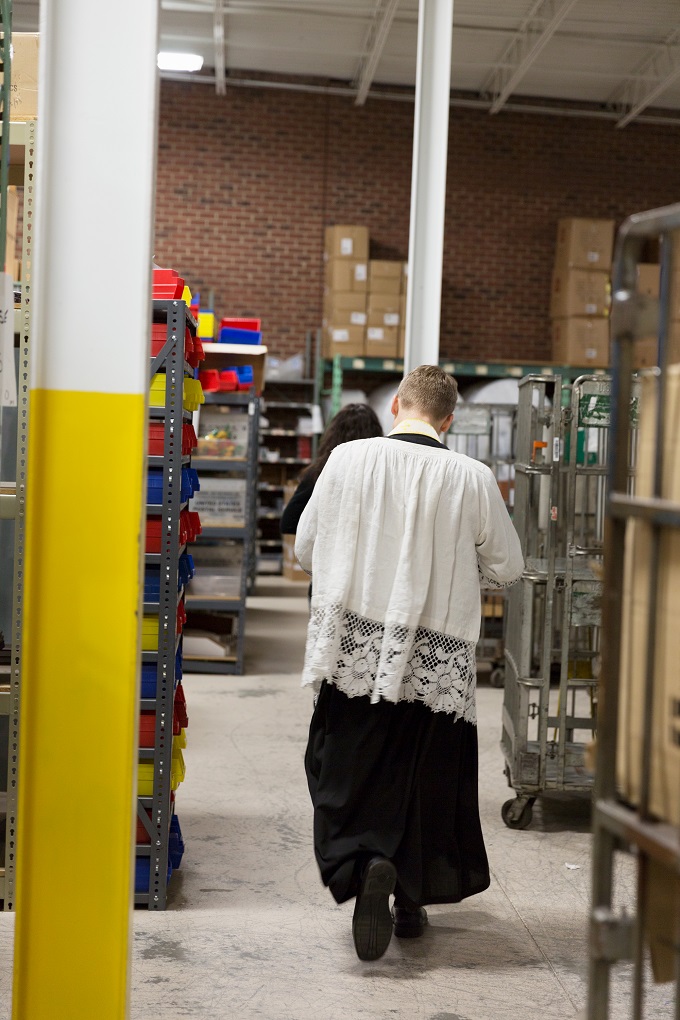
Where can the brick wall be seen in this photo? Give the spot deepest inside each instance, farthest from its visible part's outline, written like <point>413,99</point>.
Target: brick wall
<point>247,181</point>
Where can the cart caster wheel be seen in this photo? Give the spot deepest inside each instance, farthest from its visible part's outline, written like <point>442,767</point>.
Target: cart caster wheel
<point>515,815</point>
<point>497,677</point>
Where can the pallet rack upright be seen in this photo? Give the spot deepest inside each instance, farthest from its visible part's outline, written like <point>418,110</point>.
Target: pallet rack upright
<point>155,812</point>
<point>22,139</point>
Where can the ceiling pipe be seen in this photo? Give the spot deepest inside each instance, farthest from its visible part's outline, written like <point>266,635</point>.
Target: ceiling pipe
<point>458,102</point>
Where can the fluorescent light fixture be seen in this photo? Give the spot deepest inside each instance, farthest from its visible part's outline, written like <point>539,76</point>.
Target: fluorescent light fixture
<point>168,61</point>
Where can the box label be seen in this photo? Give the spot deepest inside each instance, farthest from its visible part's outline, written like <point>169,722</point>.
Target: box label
<point>375,333</point>
<point>346,245</point>
<point>591,309</point>
<point>358,318</point>
<point>391,318</point>
<point>593,256</point>
<point>340,335</point>
<point>361,272</point>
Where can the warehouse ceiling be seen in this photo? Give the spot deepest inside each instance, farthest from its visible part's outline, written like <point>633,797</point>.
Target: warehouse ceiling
<point>613,58</point>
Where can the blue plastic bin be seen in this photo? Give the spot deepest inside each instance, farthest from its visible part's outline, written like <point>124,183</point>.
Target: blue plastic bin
<point>240,336</point>
<point>154,486</point>
<point>143,873</point>
<point>175,843</point>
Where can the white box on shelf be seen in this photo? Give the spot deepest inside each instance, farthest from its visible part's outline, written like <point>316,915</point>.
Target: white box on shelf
<point>221,502</point>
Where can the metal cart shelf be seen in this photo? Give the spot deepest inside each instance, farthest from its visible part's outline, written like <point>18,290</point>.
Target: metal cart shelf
<point>553,626</point>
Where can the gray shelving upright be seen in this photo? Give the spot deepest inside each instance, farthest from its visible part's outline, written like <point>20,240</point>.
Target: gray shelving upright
<point>246,468</point>
<point>171,360</point>
<point>22,173</point>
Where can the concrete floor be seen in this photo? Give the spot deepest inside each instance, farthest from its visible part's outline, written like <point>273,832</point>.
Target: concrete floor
<point>252,933</point>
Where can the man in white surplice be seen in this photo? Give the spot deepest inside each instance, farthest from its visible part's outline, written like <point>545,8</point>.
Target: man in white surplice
<point>397,535</point>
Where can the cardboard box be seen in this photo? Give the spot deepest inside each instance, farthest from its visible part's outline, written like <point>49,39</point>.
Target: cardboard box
<point>579,292</point>
<point>347,242</point>
<point>635,621</point>
<point>347,341</point>
<point>291,568</point>
<point>584,244</point>
<point>344,309</point>
<point>384,277</point>
<point>11,231</point>
<point>346,275</point>
<point>646,350</point>
<point>221,502</point>
<point>581,342</point>
<point>223,356</point>
<point>24,87</point>
<point>384,319</point>
<point>382,341</point>
<point>383,304</point>
<point>401,341</point>
<point>648,279</point>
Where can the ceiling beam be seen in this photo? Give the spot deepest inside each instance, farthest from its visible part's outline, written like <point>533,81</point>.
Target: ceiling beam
<point>383,16</point>
<point>658,71</point>
<point>536,32</point>
<point>218,40</point>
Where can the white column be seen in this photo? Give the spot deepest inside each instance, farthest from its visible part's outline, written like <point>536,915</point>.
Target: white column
<point>84,507</point>
<point>428,187</point>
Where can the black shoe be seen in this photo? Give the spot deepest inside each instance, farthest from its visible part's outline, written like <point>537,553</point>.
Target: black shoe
<point>372,921</point>
<point>409,924</point>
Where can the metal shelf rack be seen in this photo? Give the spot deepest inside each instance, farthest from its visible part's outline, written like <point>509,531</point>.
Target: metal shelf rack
<point>286,401</point>
<point>22,145</point>
<point>208,611</point>
<point>157,825</point>
<point>636,783</point>
<point>337,367</point>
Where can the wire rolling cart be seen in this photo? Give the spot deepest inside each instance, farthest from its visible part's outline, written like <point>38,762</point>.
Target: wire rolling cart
<point>553,612</point>
<point>637,785</point>
<point>487,432</point>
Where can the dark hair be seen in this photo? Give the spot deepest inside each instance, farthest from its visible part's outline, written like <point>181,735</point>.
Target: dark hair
<point>354,421</point>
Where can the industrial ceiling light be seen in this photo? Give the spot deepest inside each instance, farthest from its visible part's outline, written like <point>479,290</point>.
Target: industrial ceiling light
<point>168,61</point>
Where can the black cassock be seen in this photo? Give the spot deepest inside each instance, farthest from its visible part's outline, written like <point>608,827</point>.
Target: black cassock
<point>397,780</point>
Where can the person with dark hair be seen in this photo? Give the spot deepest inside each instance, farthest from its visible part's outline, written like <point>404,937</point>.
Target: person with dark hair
<point>354,421</point>
<point>397,535</point>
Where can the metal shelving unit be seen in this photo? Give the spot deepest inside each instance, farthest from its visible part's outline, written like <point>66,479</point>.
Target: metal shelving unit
<point>22,145</point>
<point>170,360</point>
<point>554,621</point>
<point>207,611</point>
<point>469,370</point>
<point>636,801</point>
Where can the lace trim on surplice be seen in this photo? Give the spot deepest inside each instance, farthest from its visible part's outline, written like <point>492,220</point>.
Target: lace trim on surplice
<point>365,657</point>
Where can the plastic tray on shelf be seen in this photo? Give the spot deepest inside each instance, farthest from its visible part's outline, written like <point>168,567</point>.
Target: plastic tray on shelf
<point>150,677</point>
<point>143,873</point>
<point>228,335</point>
<point>145,773</point>
<point>156,436</point>
<point>175,843</point>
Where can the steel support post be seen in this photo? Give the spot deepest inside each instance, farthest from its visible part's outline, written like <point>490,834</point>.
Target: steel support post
<point>84,512</point>
<point>428,183</point>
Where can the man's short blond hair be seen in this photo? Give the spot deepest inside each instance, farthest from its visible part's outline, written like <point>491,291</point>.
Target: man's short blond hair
<point>429,391</point>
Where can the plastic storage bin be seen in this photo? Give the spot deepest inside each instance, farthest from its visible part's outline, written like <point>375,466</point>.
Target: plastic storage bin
<point>175,843</point>
<point>251,324</point>
<point>143,874</point>
<point>240,336</point>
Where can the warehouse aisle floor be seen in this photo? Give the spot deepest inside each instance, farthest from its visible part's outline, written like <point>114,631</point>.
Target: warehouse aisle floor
<point>251,933</point>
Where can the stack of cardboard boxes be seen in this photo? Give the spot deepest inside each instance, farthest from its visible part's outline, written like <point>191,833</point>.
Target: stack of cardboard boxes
<point>581,292</point>
<point>385,284</point>
<point>364,301</point>
<point>345,291</point>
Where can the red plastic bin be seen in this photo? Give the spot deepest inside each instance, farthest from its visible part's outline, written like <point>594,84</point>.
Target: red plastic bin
<point>181,617</point>
<point>251,324</point>
<point>147,729</point>
<point>189,440</point>
<point>180,718</point>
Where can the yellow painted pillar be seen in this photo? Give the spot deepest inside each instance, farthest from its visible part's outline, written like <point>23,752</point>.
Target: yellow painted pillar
<point>89,366</point>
